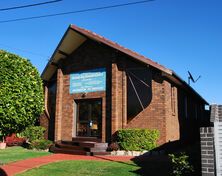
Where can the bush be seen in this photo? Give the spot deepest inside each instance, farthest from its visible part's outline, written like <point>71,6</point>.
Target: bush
<point>180,165</point>
<point>137,139</point>
<point>33,133</point>
<point>14,140</point>
<point>21,93</point>
<point>114,146</point>
<point>40,144</point>
<point>35,138</point>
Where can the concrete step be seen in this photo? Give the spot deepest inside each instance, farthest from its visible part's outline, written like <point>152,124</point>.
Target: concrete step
<point>74,143</point>
<point>92,139</point>
<point>68,146</point>
<point>85,144</point>
<point>68,151</point>
<point>80,148</point>
<point>89,144</point>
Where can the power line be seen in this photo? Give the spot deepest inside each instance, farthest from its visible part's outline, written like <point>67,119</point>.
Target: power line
<point>25,51</point>
<point>77,11</point>
<point>29,5</point>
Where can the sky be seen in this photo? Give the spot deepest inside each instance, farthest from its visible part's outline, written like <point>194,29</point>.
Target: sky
<point>182,35</point>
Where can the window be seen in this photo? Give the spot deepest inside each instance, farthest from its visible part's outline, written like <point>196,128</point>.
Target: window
<point>139,91</point>
<point>173,100</point>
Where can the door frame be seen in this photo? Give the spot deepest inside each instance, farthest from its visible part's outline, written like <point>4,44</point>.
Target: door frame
<point>76,101</point>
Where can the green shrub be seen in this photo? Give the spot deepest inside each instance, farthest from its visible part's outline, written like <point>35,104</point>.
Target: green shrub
<point>180,165</point>
<point>35,137</point>
<point>137,139</point>
<point>21,93</point>
<point>40,144</point>
<point>33,133</point>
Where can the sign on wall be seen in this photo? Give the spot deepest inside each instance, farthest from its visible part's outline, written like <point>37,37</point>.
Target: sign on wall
<point>88,81</point>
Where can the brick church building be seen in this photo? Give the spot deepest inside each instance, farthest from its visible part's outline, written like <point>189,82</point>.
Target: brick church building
<point>94,87</point>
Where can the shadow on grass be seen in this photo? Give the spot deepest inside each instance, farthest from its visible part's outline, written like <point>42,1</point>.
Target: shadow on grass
<point>157,165</point>
<point>157,162</point>
<point>2,172</point>
<point>152,165</point>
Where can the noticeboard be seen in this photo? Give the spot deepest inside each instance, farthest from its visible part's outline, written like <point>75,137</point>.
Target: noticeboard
<point>88,81</point>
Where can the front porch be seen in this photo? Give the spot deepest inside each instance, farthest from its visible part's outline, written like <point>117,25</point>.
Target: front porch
<point>81,146</point>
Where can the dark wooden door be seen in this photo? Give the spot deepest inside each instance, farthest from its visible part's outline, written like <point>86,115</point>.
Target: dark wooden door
<point>89,118</point>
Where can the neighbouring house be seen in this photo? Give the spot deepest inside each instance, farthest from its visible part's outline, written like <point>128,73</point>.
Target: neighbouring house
<point>94,87</point>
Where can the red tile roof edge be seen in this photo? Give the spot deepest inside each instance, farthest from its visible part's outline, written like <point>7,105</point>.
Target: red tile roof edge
<point>131,53</point>
<point>127,51</point>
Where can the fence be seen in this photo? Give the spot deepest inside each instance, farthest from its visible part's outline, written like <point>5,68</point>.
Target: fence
<point>211,144</point>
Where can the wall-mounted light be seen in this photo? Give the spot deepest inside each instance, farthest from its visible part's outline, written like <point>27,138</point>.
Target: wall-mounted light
<point>83,95</point>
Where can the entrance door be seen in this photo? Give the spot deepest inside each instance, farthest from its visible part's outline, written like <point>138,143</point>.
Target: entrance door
<point>89,118</point>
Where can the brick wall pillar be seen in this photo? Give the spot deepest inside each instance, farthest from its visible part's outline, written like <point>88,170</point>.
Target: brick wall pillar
<point>172,124</point>
<point>207,151</point>
<point>124,99</point>
<point>58,113</point>
<point>167,112</point>
<point>116,104</point>
<point>114,93</point>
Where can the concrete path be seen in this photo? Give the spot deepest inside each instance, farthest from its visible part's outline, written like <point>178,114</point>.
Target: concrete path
<point>24,165</point>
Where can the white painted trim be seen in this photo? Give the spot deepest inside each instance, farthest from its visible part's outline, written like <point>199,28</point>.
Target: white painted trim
<point>218,147</point>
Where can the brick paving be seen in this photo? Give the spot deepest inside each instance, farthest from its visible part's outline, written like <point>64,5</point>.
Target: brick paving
<point>24,165</point>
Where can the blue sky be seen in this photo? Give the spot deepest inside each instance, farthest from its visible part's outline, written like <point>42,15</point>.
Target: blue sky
<point>179,34</point>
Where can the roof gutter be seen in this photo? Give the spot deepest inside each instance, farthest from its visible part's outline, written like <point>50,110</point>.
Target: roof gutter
<point>189,87</point>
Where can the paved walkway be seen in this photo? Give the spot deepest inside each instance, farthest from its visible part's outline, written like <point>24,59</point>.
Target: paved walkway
<point>21,166</point>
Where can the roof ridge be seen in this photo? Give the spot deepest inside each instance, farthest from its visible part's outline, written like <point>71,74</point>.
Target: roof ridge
<point>128,51</point>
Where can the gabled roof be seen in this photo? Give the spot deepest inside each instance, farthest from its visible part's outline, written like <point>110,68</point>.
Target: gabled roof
<point>75,36</point>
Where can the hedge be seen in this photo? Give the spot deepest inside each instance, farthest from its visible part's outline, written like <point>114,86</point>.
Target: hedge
<point>137,139</point>
<point>40,144</point>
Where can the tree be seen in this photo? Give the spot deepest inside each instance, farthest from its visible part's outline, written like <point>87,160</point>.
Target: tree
<point>21,93</point>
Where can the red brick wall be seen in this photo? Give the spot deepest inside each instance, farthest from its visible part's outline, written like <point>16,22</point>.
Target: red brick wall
<point>44,122</point>
<point>172,121</point>
<point>158,115</point>
<point>89,56</point>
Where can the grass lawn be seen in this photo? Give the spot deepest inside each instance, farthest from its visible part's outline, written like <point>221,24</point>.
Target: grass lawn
<point>12,154</point>
<point>83,168</point>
